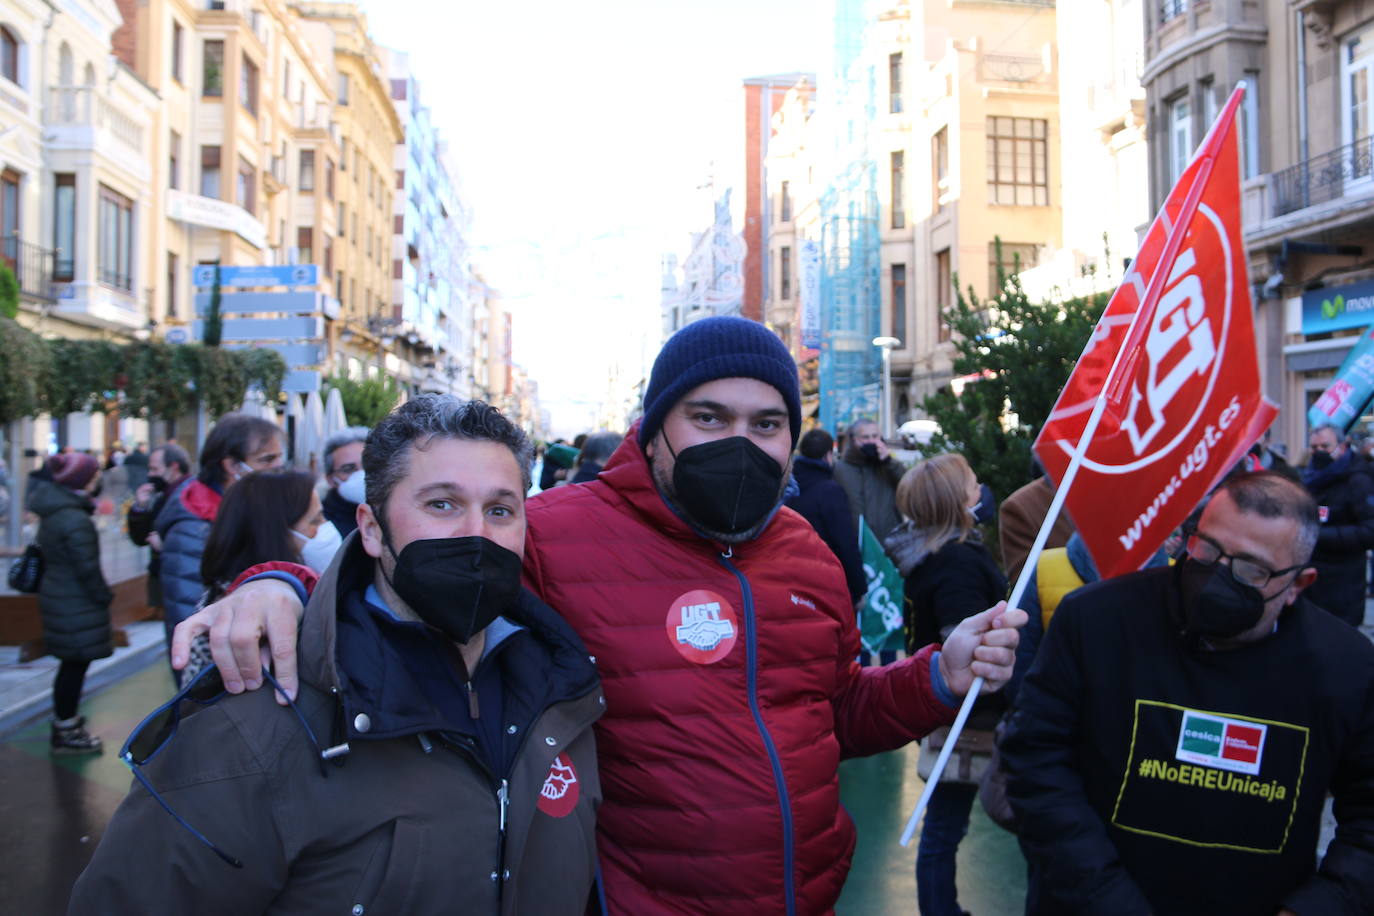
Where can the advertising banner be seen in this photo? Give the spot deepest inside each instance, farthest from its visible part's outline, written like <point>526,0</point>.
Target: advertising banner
<point>1350,390</point>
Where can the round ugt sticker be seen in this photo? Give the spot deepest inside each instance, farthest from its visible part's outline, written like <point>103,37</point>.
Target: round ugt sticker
<point>558,796</point>
<point>702,626</point>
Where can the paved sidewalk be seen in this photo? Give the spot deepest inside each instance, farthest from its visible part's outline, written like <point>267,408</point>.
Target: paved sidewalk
<point>26,687</point>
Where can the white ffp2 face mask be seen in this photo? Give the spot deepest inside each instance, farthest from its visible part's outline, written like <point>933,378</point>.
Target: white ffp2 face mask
<point>318,552</point>
<point>354,489</point>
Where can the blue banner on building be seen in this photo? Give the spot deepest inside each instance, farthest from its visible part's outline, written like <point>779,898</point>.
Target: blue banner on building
<point>1334,308</point>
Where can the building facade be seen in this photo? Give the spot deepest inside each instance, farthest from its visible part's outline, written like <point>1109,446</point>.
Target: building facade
<point>355,185</point>
<point>1308,205</point>
<point>430,247</point>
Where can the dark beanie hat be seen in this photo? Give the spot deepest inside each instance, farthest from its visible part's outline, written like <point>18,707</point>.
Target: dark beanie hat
<point>714,348</point>
<point>73,470</point>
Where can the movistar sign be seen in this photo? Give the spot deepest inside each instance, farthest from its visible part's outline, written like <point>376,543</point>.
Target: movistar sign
<point>1332,308</point>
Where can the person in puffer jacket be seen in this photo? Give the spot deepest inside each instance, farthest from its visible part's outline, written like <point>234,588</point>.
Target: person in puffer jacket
<point>239,444</point>
<point>725,639</point>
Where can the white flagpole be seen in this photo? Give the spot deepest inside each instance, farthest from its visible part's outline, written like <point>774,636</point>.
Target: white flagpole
<point>1075,462</point>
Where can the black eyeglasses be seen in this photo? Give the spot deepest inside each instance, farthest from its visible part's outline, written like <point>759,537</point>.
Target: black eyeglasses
<point>1208,552</point>
<point>155,732</point>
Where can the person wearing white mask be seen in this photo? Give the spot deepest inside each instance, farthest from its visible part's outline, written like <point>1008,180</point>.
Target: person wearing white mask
<point>343,461</point>
<point>238,445</point>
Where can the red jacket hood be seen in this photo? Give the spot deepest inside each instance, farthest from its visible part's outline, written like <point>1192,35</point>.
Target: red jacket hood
<point>201,500</point>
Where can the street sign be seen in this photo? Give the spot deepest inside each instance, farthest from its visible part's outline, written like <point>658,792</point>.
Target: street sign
<point>254,329</point>
<point>244,303</point>
<point>298,380</point>
<point>257,275</point>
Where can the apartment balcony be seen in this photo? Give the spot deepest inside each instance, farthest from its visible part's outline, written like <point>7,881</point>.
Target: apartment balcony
<point>1324,193</point>
<point>83,116</point>
<point>32,266</point>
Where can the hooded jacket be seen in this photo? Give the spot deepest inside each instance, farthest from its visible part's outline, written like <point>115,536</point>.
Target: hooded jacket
<point>406,817</point>
<point>184,526</point>
<point>1344,492</point>
<point>732,693</point>
<point>872,490</point>
<point>73,598</point>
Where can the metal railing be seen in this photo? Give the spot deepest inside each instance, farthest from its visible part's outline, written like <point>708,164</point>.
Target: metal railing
<point>32,266</point>
<point>1323,178</point>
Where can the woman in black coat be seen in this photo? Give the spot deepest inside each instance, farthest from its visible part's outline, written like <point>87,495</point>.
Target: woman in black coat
<point>73,598</point>
<point>949,575</point>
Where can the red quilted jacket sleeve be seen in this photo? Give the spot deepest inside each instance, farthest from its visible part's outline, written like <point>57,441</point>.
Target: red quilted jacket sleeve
<point>881,708</point>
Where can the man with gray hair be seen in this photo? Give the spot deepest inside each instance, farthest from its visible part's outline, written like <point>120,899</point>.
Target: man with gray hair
<point>1174,741</point>
<point>450,709</point>
<point>1338,478</point>
<point>343,458</point>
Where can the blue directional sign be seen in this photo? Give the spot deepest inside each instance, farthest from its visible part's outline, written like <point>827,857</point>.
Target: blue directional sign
<point>257,275</point>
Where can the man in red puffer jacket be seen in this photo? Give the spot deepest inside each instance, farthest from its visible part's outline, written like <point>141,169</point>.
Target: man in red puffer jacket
<point>725,639</point>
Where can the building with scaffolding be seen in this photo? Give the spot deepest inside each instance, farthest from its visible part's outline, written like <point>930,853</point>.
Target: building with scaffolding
<point>848,222</point>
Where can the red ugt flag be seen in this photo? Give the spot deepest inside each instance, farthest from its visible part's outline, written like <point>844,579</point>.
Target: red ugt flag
<point>1183,400</point>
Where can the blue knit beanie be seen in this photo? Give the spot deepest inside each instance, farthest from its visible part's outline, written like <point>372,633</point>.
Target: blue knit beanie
<point>714,348</point>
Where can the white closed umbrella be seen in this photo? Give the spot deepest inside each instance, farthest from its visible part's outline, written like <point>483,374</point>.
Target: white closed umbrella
<point>335,420</point>
<point>310,434</point>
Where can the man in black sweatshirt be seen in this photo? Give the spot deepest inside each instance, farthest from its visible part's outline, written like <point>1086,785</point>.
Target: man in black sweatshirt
<point>1174,742</point>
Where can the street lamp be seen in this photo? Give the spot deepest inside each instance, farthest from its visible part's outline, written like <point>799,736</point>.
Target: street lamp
<point>886,344</point>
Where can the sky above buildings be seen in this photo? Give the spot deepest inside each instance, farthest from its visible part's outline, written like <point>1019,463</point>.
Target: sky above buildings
<point>584,135</point>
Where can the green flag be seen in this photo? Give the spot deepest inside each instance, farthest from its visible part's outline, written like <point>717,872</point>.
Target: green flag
<point>880,615</point>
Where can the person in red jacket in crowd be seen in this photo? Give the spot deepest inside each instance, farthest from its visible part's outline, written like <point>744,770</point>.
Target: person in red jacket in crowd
<point>725,639</point>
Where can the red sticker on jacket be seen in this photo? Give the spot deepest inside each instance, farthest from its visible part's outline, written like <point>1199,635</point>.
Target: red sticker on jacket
<point>558,797</point>
<point>702,626</point>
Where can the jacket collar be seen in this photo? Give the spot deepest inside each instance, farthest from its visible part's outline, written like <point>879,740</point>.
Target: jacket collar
<point>380,685</point>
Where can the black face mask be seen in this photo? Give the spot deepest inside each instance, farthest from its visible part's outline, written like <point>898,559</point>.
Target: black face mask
<point>457,585</point>
<point>870,452</point>
<point>728,485</point>
<point>1320,461</point>
<point>1215,603</point>
<point>159,483</point>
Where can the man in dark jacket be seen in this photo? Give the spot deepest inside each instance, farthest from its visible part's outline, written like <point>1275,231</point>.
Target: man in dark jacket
<point>238,444</point>
<point>454,707</point>
<point>823,503</point>
<point>1180,728</point>
<point>343,457</point>
<point>168,466</point>
<point>1339,480</point>
<point>869,475</point>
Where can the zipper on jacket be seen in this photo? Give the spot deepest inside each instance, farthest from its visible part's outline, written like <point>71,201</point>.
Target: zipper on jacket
<point>752,659</point>
<point>503,802</point>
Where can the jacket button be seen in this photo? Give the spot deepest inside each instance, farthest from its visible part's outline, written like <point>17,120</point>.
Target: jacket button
<point>550,741</point>
<point>592,659</point>
<point>358,909</point>
<point>510,729</point>
<point>601,700</point>
<point>505,875</point>
<point>361,722</point>
<point>494,876</point>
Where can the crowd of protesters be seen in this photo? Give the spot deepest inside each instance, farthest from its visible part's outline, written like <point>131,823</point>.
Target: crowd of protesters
<point>474,696</point>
